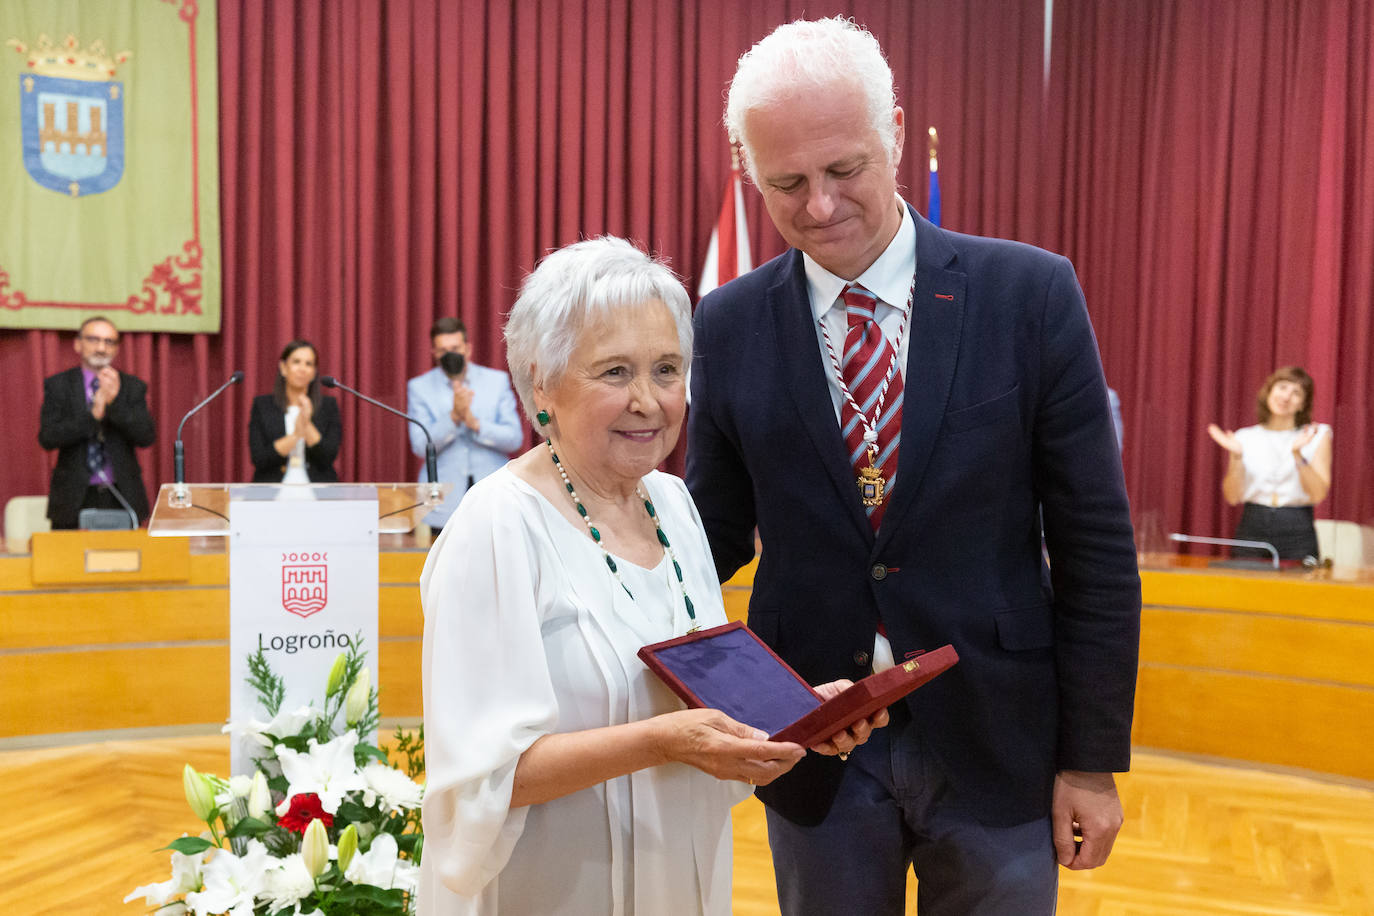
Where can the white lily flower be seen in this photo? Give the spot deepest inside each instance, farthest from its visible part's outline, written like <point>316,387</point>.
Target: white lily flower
<point>259,796</point>
<point>315,848</point>
<point>327,770</point>
<point>231,882</point>
<point>185,878</point>
<point>287,884</point>
<point>356,701</point>
<point>283,723</point>
<point>396,790</point>
<point>381,867</point>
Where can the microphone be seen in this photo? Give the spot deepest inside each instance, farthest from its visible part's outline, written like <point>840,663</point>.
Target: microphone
<point>431,456</point>
<point>178,450</point>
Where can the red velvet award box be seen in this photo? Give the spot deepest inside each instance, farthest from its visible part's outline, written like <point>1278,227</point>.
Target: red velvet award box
<point>729,668</point>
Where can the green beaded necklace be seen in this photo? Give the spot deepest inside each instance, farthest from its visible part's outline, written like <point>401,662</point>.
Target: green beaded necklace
<point>610,561</point>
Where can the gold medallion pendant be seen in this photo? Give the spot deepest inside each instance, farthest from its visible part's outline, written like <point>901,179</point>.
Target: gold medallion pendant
<point>871,485</point>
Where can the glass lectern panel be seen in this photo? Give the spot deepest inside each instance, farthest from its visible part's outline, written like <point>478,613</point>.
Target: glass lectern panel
<point>184,510</point>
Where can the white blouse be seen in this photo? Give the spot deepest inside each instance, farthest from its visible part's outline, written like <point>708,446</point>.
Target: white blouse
<point>1271,474</point>
<point>527,633</point>
<point>295,461</point>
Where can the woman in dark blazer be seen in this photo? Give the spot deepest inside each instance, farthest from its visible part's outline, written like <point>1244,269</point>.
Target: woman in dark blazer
<point>294,432</point>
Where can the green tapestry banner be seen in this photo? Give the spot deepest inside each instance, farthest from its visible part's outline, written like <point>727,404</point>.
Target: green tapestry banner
<point>109,164</point>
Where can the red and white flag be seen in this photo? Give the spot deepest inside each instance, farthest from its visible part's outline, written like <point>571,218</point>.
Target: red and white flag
<point>728,255</point>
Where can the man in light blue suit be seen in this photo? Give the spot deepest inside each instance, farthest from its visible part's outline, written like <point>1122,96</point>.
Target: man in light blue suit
<point>468,409</point>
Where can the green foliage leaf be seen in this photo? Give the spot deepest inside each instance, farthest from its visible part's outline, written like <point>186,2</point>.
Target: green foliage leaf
<point>248,826</point>
<point>363,752</point>
<point>410,745</point>
<point>189,845</point>
<point>350,812</point>
<point>268,685</point>
<point>359,895</point>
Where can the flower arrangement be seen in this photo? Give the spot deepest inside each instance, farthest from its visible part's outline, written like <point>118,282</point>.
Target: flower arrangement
<point>325,825</point>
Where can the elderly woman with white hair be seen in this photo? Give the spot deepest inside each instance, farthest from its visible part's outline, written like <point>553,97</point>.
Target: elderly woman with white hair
<point>561,776</point>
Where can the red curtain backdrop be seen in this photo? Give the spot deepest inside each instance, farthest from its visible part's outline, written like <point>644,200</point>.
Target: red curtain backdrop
<point>1214,185</point>
<point>385,163</point>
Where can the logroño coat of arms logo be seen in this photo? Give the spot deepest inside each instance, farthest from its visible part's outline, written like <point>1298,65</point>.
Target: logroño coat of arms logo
<point>71,114</point>
<point>304,582</point>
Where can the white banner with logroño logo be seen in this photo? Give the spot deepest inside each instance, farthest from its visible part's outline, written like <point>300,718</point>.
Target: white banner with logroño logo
<point>302,587</point>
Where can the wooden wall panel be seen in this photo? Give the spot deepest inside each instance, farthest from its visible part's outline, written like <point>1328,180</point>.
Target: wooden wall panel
<point>72,618</point>
<point>398,669</point>
<point>1260,593</point>
<point>1287,647</point>
<point>1283,721</point>
<point>113,688</point>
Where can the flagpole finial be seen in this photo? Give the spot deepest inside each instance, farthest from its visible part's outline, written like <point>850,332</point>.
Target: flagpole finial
<point>934,146</point>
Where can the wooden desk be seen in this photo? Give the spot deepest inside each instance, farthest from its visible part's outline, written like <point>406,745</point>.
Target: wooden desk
<point>88,658</point>
<point>1261,667</point>
<point>1267,667</point>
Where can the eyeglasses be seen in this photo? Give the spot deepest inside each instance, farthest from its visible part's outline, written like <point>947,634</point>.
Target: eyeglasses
<point>107,341</point>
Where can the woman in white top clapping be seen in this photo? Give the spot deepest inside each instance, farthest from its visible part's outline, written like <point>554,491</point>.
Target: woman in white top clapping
<point>1280,468</point>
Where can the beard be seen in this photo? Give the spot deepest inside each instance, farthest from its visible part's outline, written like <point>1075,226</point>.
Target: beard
<point>99,362</point>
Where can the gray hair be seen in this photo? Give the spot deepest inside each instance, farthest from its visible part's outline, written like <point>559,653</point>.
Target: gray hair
<point>577,286</point>
<point>813,55</point>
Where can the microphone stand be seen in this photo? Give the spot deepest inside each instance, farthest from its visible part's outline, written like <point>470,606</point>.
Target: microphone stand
<point>133,516</point>
<point>1227,542</point>
<point>180,495</point>
<point>431,454</point>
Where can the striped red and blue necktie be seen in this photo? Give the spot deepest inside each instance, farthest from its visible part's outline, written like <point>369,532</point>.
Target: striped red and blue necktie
<point>867,362</point>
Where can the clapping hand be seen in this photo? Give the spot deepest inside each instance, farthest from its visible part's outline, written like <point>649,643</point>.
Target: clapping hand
<point>306,410</point>
<point>1305,435</point>
<point>109,384</point>
<point>106,392</point>
<point>462,404</point>
<point>1225,438</point>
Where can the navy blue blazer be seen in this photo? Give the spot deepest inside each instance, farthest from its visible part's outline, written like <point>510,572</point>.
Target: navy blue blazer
<point>1005,415</point>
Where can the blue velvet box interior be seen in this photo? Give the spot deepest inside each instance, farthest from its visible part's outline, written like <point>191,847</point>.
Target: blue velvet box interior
<point>733,672</point>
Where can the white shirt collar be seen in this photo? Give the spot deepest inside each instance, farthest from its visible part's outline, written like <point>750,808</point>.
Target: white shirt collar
<point>889,277</point>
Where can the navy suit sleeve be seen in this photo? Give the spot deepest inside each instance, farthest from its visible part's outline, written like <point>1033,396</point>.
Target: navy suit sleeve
<point>716,474</point>
<point>1077,472</point>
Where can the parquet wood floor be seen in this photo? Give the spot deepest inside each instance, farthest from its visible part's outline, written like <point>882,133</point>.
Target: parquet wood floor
<point>80,826</point>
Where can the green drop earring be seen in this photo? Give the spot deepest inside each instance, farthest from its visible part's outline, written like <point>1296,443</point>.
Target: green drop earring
<point>542,417</point>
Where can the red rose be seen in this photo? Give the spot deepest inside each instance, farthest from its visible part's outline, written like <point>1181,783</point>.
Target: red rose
<point>305,808</point>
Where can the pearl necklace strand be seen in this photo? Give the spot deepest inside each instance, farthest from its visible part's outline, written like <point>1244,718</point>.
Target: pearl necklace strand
<point>610,561</point>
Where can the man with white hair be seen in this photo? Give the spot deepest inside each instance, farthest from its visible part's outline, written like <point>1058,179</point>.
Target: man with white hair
<point>895,406</point>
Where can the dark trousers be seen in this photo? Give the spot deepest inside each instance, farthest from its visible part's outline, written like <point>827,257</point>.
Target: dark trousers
<point>1289,528</point>
<point>893,811</point>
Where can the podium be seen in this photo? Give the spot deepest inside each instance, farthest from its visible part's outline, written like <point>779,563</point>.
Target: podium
<point>202,509</point>
<point>303,569</point>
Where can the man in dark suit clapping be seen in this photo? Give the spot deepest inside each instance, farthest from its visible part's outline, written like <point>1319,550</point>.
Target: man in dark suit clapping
<point>95,415</point>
